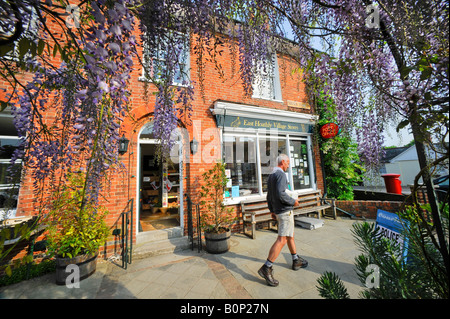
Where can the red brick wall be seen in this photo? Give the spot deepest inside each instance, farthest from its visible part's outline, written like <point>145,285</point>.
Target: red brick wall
<point>366,208</point>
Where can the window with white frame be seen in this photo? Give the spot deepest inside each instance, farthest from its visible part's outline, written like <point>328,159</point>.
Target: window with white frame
<point>167,58</point>
<point>29,34</point>
<point>266,79</point>
<point>9,174</point>
<point>251,158</point>
<point>241,164</point>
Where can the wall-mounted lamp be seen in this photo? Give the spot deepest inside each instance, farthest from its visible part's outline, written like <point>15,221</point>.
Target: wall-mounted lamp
<point>194,146</point>
<point>123,145</point>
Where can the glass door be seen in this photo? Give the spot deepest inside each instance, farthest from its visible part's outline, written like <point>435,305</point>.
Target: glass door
<point>159,184</point>
<point>300,164</point>
<point>159,191</point>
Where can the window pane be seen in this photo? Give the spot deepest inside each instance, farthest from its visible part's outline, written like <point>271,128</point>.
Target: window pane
<point>269,149</point>
<point>157,58</point>
<point>147,131</point>
<point>263,81</point>
<point>240,159</point>
<point>300,165</point>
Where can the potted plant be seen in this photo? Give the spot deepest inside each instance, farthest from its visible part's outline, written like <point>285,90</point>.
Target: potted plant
<point>77,229</point>
<point>215,217</point>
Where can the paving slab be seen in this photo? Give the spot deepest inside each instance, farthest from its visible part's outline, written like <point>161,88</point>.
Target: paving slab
<point>189,274</point>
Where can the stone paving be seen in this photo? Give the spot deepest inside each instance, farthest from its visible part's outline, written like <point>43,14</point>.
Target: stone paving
<point>198,275</point>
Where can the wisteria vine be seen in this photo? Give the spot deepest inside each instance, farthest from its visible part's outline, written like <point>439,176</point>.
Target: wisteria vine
<point>89,97</point>
<point>375,67</point>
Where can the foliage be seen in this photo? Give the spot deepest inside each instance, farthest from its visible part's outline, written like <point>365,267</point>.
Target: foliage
<point>421,274</point>
<point>340,157</point>
<point>342,169</point>
<point>25,272</point>
<point>331,287</point>
<point>23,232</point>
<point>79,71</point>
<point>75,227</point>
<point>215,217</point>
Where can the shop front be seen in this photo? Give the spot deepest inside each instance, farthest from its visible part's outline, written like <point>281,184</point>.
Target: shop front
<point>253,137</point>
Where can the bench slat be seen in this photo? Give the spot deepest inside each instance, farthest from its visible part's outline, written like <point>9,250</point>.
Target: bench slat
<point>253,207</point>
<point>256,210</point>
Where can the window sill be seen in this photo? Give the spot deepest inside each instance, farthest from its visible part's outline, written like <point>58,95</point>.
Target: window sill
<point>144,79</point>
<point>237,200</point>
<point>267,99</point>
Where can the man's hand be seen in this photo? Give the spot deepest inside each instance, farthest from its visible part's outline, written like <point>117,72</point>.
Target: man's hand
<point>296,203</point>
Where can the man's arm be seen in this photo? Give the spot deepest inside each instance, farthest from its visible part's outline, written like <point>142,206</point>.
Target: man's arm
<point>281,188</point>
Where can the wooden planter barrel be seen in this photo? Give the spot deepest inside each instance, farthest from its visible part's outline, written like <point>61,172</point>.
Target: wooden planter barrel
<point>218,243</point>
<point>87,264</point>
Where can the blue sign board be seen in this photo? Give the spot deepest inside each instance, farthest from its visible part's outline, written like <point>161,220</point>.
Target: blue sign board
<point>390,226</point>
<point>235,191</point>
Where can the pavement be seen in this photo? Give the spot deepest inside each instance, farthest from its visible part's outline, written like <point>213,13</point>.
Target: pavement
<point>189,274</point>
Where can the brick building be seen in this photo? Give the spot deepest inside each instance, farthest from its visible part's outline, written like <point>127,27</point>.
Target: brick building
<point>247,132</point>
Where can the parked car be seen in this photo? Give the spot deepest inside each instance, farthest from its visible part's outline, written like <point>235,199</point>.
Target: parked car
<point>441,184</point>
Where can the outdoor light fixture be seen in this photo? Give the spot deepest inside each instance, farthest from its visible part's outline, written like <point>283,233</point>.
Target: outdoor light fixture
<point>123,145</point>
<point>194,146</point>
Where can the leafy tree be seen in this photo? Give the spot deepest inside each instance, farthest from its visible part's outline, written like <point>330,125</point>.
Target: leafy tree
<point>339,157</point>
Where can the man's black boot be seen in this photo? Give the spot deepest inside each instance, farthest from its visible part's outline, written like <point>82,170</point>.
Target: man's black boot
<point>267,274</point>
<point>299,263</point>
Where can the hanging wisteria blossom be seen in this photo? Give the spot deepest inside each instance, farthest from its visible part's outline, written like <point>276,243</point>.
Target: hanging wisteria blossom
<point>378,64</point>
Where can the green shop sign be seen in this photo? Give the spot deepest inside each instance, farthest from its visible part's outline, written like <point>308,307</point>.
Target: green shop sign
<point>254,123</point>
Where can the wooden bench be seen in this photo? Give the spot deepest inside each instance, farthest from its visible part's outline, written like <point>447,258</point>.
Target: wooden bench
<point>255,211</point>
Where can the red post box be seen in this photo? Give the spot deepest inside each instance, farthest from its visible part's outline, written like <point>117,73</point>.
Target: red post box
<point>393,184</point>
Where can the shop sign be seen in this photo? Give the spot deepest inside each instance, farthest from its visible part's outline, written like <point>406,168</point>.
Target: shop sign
<point>390,226</point>
<point>329,130</point>
<point>255,123</point>
<point>299,105</point>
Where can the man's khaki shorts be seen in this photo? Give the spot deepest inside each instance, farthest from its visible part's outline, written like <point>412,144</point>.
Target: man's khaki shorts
<point>286,224</point>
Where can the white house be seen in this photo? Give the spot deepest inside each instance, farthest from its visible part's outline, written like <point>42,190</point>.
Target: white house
<point>404,161</point>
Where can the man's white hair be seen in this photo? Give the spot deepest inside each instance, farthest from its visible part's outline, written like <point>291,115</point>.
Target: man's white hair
<point>282,157</point>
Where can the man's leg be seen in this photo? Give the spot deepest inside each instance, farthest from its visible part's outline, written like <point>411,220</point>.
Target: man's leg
<point>276,248</point>
<point>266,271</point>
<point>291,245</point>
<point>297,261</point>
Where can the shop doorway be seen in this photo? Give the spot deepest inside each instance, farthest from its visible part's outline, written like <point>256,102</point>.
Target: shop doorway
<point>160,186</point>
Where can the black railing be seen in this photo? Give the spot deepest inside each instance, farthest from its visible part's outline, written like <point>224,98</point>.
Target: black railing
<point>126,234</point>
<point>194,232</point>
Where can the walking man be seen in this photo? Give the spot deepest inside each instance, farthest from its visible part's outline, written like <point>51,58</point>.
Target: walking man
<point>281,205</point>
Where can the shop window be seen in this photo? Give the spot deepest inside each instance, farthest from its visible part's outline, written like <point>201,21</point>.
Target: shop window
<point>266,79</point>
<point>241,166</point>
<point>250,159</point>
<point>160,62</point>
<point>269,149</point>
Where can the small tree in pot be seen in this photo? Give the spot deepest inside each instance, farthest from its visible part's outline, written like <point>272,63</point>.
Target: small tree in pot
<point>215,217</point>
<point>77,229</point>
